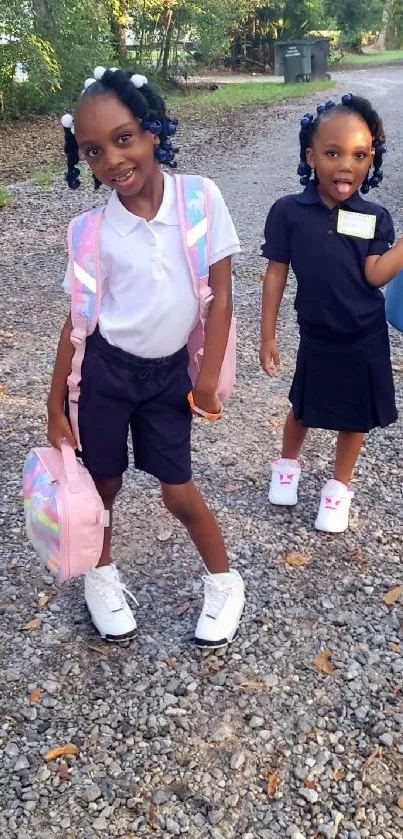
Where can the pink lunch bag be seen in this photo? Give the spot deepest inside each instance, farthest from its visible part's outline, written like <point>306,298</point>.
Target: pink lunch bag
<point>65,516</point>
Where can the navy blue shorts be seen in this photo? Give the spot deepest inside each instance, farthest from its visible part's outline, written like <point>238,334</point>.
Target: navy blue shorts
<point>121,391</point>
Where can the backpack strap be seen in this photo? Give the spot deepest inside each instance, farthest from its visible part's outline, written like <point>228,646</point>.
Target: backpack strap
<point>194,208</point>
<point>83,244</point>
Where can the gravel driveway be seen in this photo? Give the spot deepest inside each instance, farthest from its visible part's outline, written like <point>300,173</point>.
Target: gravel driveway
<point>259,742</point>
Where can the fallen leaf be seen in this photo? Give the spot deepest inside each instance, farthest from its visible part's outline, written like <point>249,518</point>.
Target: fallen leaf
<point>276,422</point>
<point>164,535</point>
<point>63,771</point>
<point>43,599</point>
<point>252,685</point>
<point>171,662</point>
<point>60,751</point>
<point>323,663</point>
<point>272,783</point>
<point>397,368</point>
<point>395,648</point>
<point>392,595</point>
<point>33,624</point>
<point>373,757</point>
<point>296,560</point>
<point>35,695</point>
<point>3,388</point>
<point>309,784</point>
<point>180,610</point>
<point>152,820</point>
<point>8,430</point>
<point>338,775</point>
<point>230,489</point>
<point>100,650</point>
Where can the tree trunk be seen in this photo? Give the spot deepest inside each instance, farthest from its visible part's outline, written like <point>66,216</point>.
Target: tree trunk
<point>167,43</point>
<point>380,45</point>
<point>42,10</point>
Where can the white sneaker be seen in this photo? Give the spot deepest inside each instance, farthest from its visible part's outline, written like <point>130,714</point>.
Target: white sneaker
<point>107,605</point>
<point>224,600</point>
<point>334,507</point>
<point>285,475</point>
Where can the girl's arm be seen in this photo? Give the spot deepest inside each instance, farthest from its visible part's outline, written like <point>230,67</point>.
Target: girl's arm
<point>58,424</point>
<point>379,270</point>
<point>216,337</point>
<point>273,289</point>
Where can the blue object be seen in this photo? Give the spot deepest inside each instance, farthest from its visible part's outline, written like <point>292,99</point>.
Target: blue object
<point>394,302</point>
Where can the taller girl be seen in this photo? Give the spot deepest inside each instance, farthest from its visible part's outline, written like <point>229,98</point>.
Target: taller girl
<point>134,374</point>
<point>339,247</point>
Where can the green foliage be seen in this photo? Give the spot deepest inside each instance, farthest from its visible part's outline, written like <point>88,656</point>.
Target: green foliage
<point>57,43</point>
<point>354,17</point>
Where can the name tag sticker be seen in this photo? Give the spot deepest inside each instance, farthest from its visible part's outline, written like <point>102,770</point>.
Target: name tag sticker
<point>356,224</point>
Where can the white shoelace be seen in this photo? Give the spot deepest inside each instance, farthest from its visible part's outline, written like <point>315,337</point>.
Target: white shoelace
<point>113,592</point>
<point>215,596</point>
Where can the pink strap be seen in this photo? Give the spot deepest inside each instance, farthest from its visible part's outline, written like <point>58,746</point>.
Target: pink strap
<point>78,338</point>
<point>71,467</point>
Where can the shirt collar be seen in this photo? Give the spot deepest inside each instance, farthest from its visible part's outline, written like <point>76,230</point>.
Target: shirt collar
<point>310,196</point>
<point>124,222</point>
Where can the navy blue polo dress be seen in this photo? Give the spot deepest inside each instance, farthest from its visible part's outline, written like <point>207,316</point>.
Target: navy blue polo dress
<point>343,379</point>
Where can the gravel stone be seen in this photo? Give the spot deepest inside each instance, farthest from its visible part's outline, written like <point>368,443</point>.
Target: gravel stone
<point>92,793</point>
<point>238,760</point>
<point>310,795</point>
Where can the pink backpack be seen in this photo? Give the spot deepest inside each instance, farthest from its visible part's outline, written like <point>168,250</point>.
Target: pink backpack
<point>64,513</point>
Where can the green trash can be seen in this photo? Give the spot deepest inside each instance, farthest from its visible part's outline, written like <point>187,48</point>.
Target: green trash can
<point>320,56</point>
<point>293,60</point>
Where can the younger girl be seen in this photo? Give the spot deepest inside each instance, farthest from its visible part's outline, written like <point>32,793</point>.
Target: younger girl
<point>339,247</point>
<point>134,373</point>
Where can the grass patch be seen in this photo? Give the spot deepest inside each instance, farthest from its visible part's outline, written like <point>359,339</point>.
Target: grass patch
<point>44,179</point>
<point>5,197</point>
<point>375,58</point>
<point>245,94</point>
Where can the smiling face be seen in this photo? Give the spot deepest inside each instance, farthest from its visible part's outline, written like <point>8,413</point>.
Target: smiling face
<point>341,154</point>
<point>114,144</point>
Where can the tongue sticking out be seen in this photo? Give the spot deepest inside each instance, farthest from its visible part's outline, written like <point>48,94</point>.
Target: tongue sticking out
<point>342,188</point>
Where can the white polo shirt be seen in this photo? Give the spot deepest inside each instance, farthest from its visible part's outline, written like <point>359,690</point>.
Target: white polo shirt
<point>148,306</point>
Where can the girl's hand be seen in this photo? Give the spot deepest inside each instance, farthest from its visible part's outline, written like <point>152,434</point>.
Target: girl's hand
<point>270,357</point>
<point>207,401</point>
<point>59,429</point>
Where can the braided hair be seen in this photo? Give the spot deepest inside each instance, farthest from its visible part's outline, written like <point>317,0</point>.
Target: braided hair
<point>144,103</point>
<point>350,104</point>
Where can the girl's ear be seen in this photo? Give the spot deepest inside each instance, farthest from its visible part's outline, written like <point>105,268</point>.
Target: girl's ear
<point>310,158</point>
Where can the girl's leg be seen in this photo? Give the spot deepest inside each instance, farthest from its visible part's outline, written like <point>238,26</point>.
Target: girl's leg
<point>104,593</point>
<point>186,504</point>
<point>108,490</point>
<point>348,448</point>
<point>224,596</point>
<point>293,437</point>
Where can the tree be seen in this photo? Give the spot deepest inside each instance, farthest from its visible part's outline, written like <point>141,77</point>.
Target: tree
<point>354,17</point>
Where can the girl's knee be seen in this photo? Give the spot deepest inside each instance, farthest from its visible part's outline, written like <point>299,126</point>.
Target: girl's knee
<point>108,489</point>
<point>180,500</point>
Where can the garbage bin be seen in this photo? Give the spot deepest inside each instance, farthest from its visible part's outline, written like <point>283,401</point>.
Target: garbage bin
<point>292,59</point>
<point>320,49</point>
